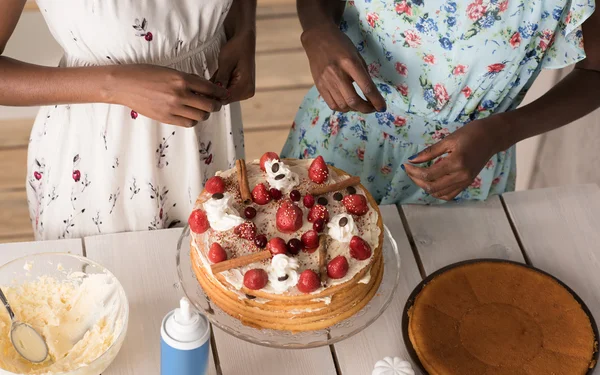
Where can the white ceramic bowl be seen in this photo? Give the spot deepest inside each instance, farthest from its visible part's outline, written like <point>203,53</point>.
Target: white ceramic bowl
<point>47,264</point>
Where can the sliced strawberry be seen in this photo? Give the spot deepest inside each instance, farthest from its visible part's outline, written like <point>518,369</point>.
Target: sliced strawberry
<point>318,212</point>
<point>318,171</point>
<point>215,185</point>
<point>288,217</point>
<point>216,253</point>
<point>266,157</point>
<point>308,201</point>
<point>246,230</point>
<point>337,267</point>
<point>356,204</point>
<point>359,248</point>
<point>256,279</point>
<point>198,222</point>
<point>260,194</point>
<point>308,281</point>
<point>310,240</point>
<point>277,245</point>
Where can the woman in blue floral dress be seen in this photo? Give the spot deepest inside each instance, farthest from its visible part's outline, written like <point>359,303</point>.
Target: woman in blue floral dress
<point>419,98</point>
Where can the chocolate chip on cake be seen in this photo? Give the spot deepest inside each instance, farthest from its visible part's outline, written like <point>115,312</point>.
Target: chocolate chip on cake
<point>275,167</point>
<point>279,176</point>
<point>338,196</point>
<point>322,201</point>
<point>250,297</point>
<point>343,221</point>
<point>283,278</point>
<point>351,190</point>
<point>217,196</point>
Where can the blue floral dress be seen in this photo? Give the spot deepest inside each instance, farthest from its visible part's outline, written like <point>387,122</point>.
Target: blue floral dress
<point>439,65</point>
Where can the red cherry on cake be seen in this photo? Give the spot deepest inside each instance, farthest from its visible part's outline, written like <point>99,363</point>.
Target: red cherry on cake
<point>318,171</point>
<point>216,253</point>
<point>246,231</point>
<point>275,194</point>
<point>294,246</point>
<point>266,157</point>
<point>337,267</point>
<point>356,204</point>
<point>308,281</point>
<point>310,241</point>
<point>318,212</point>
<point>261,241</point>
<point>295,195</point>
<point>288,217</point>
<point>198,222</point>
<point>250,212</point>
<point>215,185</point>
<point>308,201</point>
<point>277,245</point>
<point>319,225</point>
<point>359,248</point>
<point>260,194</point>
<point>255,279</point>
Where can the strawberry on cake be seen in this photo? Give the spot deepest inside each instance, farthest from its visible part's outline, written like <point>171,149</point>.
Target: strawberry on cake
<point>287,244</point>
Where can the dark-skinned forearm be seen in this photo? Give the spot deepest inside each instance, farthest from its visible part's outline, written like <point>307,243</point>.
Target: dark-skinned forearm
<point>241,18</point>
<point>318,12</point>
<point>23,84</point>
<point>572,98</point>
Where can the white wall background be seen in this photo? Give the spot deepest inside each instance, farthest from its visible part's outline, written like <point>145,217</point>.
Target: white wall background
<point>33,43</point>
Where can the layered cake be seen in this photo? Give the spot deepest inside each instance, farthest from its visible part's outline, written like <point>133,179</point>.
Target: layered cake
<point>500,318</point>
<point>287,244</point>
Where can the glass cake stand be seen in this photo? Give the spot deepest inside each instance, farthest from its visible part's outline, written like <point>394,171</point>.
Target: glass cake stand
<point>285,339</point>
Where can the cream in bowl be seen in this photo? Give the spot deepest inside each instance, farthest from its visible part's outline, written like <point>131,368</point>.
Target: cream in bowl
<point>78,306</point>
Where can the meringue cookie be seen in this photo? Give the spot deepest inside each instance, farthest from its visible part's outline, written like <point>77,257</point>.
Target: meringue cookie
<point>393,366</point>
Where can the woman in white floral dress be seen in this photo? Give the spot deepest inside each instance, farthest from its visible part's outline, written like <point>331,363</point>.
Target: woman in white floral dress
<point>141,112</point>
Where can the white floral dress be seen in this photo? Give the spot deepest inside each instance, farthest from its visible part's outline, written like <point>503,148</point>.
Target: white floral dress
<point>100,168</point>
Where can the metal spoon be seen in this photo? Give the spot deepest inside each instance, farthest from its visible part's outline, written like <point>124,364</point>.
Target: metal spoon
<point>26,340</point>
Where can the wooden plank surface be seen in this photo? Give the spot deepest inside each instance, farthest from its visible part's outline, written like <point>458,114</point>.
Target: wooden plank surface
<point>272,109</point>
<point>144,263</point>
<point>239,357</point>
<point>14,215</point>
<point>12,251</point>
<point>560,231</point>
<point>276,34</point>
<point>15,132</point>
<point>282,70</point>
<point>13,168</point>
<point>453,232</point>
<point>259,142</point>
<point>358,355</point>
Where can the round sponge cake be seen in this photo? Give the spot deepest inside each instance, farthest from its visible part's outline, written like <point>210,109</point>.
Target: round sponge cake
<point>500,318</point>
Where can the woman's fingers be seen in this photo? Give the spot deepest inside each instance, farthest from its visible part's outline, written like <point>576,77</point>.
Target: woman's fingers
<point>360,75</point>
<point>326,95</point>
<point>180,121</point>
<point>431,152</point>
<point>202,102</point>
<point>441,184</point>
<point>433,173</point>
<point>192,113</point>
<point>451,192</point>
<point>351,97</point>
<point>200,85</point>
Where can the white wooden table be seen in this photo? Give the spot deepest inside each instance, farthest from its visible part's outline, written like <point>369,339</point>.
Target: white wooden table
<point>557,230</point>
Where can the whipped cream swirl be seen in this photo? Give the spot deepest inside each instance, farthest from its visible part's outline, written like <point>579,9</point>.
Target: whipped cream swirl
<point>342,228</point>
<point>280,176</point>
<point>221,214</point>
<point>282,272</point>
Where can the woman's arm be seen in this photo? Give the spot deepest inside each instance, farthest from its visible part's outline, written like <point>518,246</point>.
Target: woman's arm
<point>163,94</point>
<point>469,148</point>
<point>237,57</point>
<point>334,61</point>
<point>572,98</point>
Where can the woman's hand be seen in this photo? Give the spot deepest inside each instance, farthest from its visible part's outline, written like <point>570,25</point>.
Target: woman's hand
<point>236,67</point>
<point>335,64</point>
<point>467,151</point>
<point>164,94</point>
